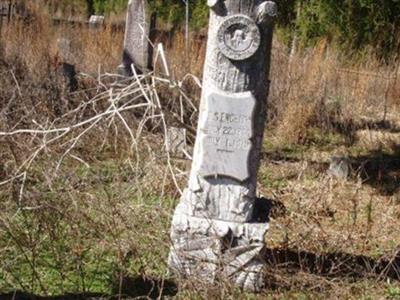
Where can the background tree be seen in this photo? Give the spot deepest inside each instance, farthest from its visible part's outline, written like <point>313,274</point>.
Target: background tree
<point>90,7</point>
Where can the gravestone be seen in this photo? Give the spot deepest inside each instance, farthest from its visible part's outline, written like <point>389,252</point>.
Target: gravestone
<point>64,49</point>
<point>96,21</point>
<point>214,232</point>
<point>176,140</point>
<point>137,48</point>
<point>66,66</point>
<point>339,167</point>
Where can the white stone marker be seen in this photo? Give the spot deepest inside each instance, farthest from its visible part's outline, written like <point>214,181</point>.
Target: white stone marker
<point>225,133</point>
<point>96,21</point>
<point>137,50</point>
<point>213,230</point>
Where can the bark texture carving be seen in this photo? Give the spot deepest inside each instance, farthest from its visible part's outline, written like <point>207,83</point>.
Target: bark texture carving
<point>213,232</point>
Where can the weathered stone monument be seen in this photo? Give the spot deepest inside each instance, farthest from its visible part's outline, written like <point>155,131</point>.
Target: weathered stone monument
<point>214,233</point>
<point>138,28</point>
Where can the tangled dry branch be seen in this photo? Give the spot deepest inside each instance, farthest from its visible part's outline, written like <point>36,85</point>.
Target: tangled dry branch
<point>117,98</point>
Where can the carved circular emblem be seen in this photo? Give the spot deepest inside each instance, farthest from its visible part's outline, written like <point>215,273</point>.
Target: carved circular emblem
<point>238,37</point>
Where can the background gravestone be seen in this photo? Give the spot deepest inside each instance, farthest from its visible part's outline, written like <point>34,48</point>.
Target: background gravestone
<point>176,140</point>
<point>66,66</point>
<point>137,49</point>
<point>214,232</point>
<point>96,21</point>
<point>339,167</point>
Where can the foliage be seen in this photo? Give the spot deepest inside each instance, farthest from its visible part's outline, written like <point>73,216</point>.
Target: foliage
<point>353,24</point>
<point>173,12</point>
<point>107,6</point>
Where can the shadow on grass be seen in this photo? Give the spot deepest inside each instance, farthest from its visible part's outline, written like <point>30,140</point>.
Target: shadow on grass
<point>329,265</point>
<point>264,209</point>
<point>380,170</point>
<point>349,128</point>
<point>131,288</point>
<point>377,168</point>
<point>335,265</point>
<point>149,288</point>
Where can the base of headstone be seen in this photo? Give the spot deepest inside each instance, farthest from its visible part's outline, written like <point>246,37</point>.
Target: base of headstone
<point>210,250</point>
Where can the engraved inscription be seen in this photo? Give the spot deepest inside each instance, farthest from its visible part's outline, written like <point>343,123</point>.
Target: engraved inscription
<point>238,37</point>
<point>225,135</point>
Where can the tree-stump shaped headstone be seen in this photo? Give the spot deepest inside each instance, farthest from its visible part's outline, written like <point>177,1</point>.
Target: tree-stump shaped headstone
<point>213,231</point>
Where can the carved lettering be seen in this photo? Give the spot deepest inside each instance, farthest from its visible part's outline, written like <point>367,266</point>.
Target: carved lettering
<point>225,133</point>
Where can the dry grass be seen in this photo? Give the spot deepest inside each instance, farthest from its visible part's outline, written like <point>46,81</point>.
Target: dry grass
<point>97,220</point>
<point>319,88</point>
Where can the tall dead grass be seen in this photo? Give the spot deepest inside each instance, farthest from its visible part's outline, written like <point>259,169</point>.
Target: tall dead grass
<point>318,87</point>
<point>34,43</point>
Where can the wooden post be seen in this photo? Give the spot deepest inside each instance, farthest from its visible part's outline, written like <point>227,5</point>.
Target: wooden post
<point>213,230</point>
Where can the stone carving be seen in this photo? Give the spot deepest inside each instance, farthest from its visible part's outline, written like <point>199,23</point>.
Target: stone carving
<point>214,233</point>
<point>238,37</point>
<point>225,133</point>
<point>212,249</point>
<point>265,12</point>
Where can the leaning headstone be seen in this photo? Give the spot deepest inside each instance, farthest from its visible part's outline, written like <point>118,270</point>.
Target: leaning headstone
<point>339,167</point>
<point>214,232</point>
<point>137,49</point>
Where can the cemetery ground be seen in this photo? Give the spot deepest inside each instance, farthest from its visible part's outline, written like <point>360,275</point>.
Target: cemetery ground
<point>85,211</point>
